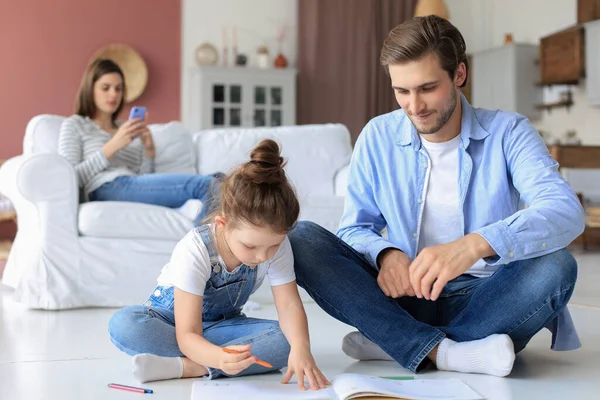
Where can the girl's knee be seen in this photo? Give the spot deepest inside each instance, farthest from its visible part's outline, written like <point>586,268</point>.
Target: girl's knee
<point>124,326</point>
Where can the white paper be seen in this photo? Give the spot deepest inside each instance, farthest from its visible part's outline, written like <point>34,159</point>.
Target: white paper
<point>213,390</point>
<point>344,386</point>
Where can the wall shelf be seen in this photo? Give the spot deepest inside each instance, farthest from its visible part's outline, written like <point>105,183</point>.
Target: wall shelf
<point>570,82</point>
<point>558,104</point>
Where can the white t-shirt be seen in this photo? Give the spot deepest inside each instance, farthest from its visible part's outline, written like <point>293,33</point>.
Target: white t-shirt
<point>441,214</point>
<point>189,268</point>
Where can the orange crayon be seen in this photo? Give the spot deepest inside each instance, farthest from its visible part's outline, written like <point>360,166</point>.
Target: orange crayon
<point>259,362</point>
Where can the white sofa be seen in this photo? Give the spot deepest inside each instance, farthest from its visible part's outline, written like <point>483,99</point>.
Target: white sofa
<point>68,254</point>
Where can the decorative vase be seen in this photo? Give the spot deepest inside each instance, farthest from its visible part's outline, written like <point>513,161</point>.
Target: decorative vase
<point>281,61</point>
<point>241,60</point>
<point>262,57</point>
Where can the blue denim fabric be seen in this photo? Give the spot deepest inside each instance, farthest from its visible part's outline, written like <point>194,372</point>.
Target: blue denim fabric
<point>168,190</point>
<point>150,328</point>
<point>519,299</point>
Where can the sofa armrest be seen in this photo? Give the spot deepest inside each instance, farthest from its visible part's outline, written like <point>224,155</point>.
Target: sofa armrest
<point>44,192</point>
<point>46,181</point>
<point>340,181</point>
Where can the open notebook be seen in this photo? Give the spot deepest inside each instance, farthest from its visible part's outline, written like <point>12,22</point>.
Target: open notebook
<point>344,387</point>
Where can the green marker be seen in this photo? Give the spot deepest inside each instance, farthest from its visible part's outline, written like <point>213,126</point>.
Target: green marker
<point>399,378</point>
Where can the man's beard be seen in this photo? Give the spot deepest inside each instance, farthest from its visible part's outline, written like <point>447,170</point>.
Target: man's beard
<point>443,117</point>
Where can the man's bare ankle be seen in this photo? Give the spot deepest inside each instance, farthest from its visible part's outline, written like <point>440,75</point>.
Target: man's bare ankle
<point>433,354</point>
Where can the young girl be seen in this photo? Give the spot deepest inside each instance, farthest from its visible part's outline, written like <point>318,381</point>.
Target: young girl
<point>115,161</point>
<point>195,312</point>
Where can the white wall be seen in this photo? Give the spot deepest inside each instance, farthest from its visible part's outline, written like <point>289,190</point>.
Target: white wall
<point>484,23</point>
<point>257,23</point>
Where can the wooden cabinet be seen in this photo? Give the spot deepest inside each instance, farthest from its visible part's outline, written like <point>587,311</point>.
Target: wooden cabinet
<point>579,157</point>
<point>505,78</point>
<point>562,57</point>
<point>224,97</point>
<point>569,156</point>
<point>588,10</point>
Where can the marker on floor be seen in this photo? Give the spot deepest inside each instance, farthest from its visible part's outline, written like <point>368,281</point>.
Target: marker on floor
<point>130,388</point>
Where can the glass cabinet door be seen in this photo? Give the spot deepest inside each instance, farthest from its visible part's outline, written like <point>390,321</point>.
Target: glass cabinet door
<point>276,103</point>
<point>235,105</point>
<point>267,106</point>
<point>226,107</point>
<point>259,106</point>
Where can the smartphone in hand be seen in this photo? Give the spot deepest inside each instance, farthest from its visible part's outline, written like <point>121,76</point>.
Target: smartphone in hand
<point>137,112</point>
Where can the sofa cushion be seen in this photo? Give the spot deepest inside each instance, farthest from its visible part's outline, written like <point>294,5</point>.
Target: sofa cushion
<point>174,148</point>
<point>41,134</point>
<point>314,153</point>
<point>325,210</point>
<point>114,219</point>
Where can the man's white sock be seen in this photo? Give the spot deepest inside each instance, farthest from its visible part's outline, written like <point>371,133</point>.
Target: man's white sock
<point>357,346</point>
<point>148,367</point>
<point>493,355</point>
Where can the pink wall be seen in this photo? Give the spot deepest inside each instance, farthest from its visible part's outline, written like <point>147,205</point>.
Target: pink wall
<point>46,45</point>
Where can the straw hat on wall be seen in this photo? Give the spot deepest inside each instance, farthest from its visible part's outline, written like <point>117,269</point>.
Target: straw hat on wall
<point>133,66</point>
<point>432,7</point>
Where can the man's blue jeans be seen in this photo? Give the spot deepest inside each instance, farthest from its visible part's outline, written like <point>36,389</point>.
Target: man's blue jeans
<point>518,300</point>
<point>168,190</point>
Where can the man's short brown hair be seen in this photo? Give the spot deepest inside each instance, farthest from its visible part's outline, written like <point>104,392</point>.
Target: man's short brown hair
<point>420,36</point>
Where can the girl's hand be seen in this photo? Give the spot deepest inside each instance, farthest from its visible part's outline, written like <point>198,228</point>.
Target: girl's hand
<point>302,363</point>
<point>233,364</point>
<point>124,135</point>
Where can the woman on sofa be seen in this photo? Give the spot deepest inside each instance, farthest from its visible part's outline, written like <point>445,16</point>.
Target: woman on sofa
<point>115,160</point>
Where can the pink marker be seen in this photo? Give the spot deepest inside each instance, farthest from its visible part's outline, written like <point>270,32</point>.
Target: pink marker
<point>129,388</point>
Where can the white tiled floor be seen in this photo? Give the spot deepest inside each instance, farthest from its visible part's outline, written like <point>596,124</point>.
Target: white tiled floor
<point>67,355</point>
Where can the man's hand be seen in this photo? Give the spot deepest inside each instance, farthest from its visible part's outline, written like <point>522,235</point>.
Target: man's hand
<point>393,278</point>
<point>437,265</point>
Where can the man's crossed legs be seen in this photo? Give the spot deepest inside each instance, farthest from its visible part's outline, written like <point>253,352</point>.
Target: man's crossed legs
<point>477,325</point>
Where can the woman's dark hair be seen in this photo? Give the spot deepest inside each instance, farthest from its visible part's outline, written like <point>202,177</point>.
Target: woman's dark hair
<point>85,104</point>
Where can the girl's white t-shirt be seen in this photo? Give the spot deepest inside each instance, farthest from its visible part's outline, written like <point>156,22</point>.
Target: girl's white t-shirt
<point>189,268</point>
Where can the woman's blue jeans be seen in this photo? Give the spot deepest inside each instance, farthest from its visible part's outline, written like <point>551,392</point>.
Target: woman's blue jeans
<point>168,190</point>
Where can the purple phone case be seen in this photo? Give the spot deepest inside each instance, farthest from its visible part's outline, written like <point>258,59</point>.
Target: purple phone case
<point>137,112</point>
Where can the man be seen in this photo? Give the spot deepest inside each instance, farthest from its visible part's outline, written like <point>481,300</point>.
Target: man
<point>467,275</point>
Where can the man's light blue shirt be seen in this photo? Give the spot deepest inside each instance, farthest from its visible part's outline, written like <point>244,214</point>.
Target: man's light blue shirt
<point>503,163</point>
